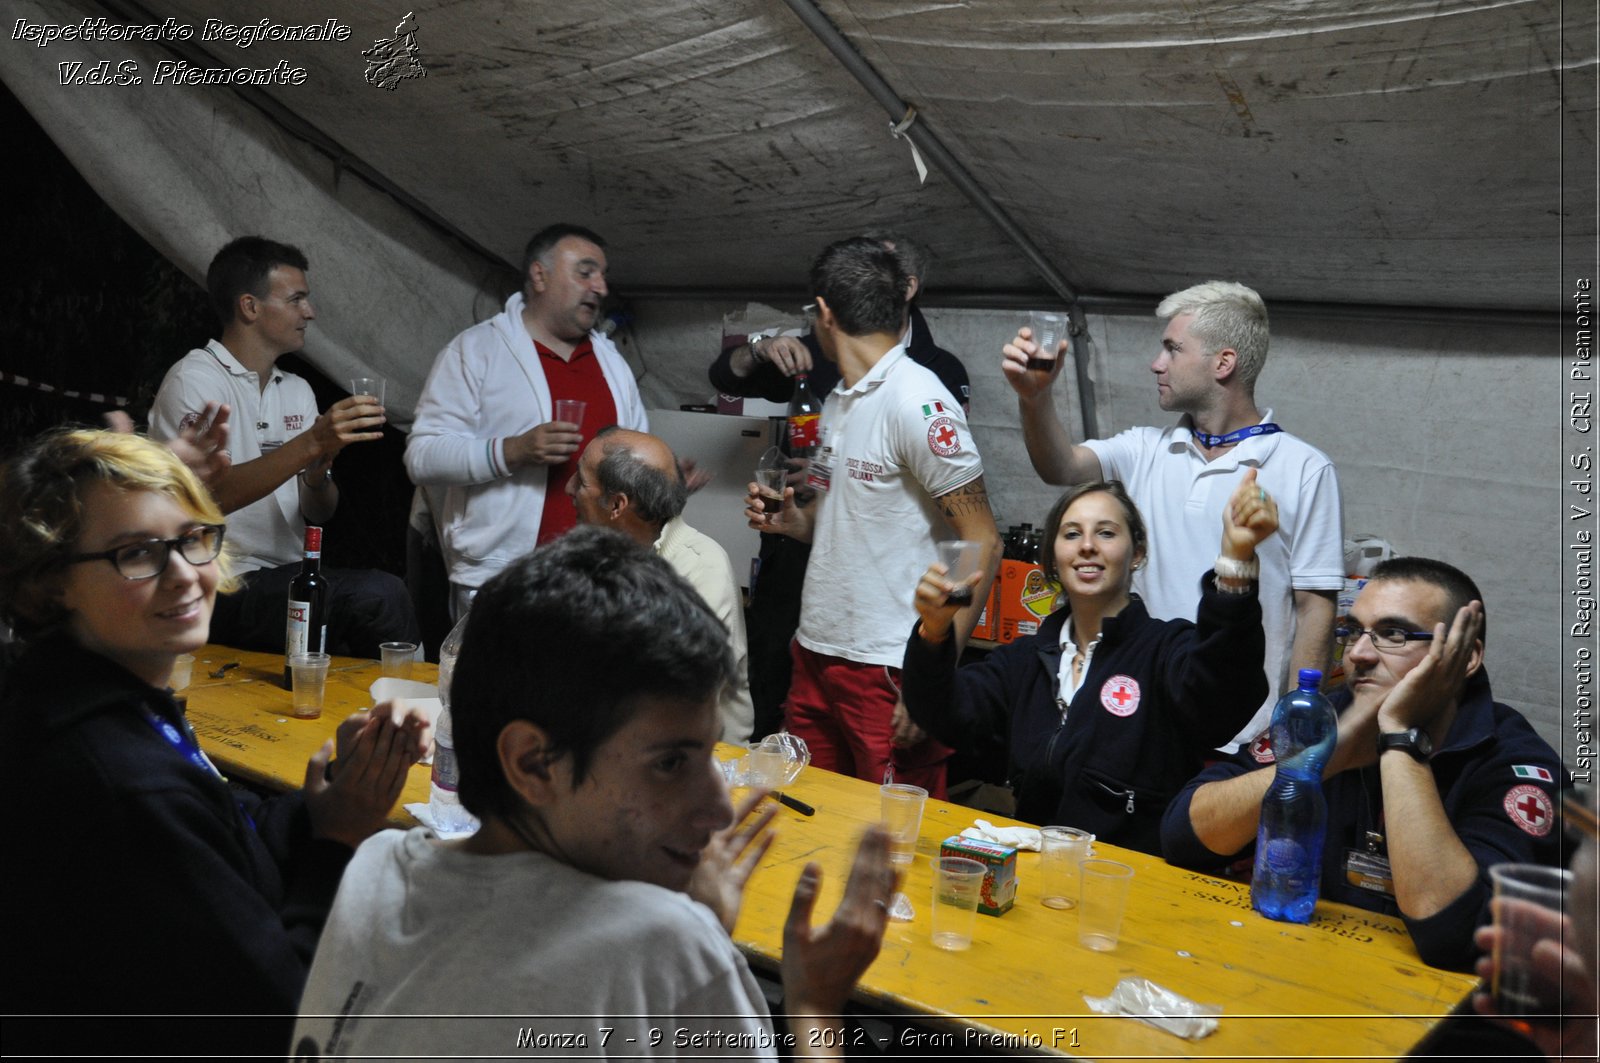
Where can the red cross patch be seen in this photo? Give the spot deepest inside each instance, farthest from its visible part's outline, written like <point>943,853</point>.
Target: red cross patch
<point>1261,748</point>
<point>1529,808</point>
<point>943,439</point>
<point>1120,695</point>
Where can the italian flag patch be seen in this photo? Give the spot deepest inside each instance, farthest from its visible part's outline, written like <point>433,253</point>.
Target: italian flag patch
<point>931,408</point>
<point>1531,771</point>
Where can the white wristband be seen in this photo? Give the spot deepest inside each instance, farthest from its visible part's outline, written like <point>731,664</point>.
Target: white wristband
<point>1228,568</point>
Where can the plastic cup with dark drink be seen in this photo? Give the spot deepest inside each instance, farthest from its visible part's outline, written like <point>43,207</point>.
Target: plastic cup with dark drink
<point>1528,900</point>
<point>1048,332</point>
<point>962,558</point>
<point>769,486</point>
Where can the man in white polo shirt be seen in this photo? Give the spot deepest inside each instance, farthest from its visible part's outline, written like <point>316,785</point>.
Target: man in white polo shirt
<point>897,471</point>
<point>281,477</point>
<point>1182,476</point>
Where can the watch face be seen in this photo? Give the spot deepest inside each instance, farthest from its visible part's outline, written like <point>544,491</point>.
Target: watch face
<point>1415,741</point>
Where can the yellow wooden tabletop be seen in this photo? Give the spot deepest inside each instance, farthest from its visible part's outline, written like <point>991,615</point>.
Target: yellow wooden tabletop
<point>1349,984</point>
<point>246,724</point>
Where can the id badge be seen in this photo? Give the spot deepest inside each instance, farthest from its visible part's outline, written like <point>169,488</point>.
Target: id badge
<point>820,474</point>
<point>1368,871</point>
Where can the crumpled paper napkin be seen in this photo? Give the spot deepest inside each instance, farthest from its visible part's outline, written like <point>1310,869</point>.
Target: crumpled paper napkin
<point>1024,838</point>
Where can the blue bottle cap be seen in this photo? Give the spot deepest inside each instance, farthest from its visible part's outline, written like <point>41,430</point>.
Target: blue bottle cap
<point>1310,679</point>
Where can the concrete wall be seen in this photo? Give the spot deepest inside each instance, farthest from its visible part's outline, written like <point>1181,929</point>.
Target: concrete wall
<point>1446,438</point>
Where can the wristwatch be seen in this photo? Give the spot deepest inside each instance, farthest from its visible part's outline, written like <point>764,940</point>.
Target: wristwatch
<point>755,338</point>
<point>1415,742</point>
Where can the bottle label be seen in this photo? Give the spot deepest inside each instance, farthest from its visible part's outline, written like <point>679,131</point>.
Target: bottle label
<point>804,431</point>
<point>298,634</point>
<point>445,772</point>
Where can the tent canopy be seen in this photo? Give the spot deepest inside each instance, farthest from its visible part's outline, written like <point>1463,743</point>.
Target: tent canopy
<point>1391,152</point>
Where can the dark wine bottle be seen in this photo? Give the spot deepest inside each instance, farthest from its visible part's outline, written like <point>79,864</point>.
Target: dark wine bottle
<point>307,627</point>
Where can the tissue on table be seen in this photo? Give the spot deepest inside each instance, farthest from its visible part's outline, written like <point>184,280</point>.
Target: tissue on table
<point>1025,838</point>
<point>1158,1006</point>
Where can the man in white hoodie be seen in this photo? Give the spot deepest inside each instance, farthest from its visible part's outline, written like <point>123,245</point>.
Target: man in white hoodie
<point>485,440</point>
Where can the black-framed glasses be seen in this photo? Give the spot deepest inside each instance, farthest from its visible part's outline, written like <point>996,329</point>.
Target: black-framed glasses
<point>148,559</point>
<point>1384,637</point>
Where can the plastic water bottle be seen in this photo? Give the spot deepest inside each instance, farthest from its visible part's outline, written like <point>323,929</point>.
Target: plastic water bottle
<point>444,803</point>
<point>1294,816</point>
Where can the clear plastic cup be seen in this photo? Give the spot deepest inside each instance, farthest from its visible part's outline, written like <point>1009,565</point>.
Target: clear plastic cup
<point>1049,329</point>
<point>571,411</point>
<point>1102,900</point>
<point>1060,851</point>
<point>957,885</point>
<point>375,386</point>
<point>309,678</point>
<point>1528,903</point>
<point>398,657</point>
<point>961,557</point>
<point>902,817</point>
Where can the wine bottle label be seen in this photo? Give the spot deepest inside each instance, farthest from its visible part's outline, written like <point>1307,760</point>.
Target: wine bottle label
<point>297,636</point>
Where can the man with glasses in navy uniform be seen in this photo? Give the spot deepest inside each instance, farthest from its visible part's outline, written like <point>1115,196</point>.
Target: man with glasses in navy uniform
<point>1432,780</point>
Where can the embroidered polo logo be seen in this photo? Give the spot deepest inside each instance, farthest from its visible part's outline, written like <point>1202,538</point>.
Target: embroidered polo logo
<point>1120,695</point>
<point>943,439</point>
<point>1529,808</point>
<point>1261,748</point>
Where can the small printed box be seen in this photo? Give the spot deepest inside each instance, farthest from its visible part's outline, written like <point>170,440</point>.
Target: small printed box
<point>1025,600</point>
<point>1000,883</point>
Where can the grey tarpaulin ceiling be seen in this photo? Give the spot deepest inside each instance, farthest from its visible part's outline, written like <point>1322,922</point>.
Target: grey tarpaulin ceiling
<point>1401,152</point>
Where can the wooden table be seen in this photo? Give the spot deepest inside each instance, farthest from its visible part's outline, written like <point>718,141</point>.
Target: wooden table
<point>246,724</point>
<point>1349,984</point>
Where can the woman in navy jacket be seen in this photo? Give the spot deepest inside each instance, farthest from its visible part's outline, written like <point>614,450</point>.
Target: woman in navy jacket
<point>143,884</point>
<point>1106,712</point>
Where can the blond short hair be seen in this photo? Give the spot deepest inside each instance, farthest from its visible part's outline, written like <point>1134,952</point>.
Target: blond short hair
<point>1226,314</point>
<point>41,510</point>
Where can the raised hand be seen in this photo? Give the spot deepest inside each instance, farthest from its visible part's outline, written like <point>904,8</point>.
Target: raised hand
<point>1249,517</point>
<point>933,600</point>
<point>356,419</point>
<point>1437,678</point>
<point>1014,358</point>
<point>732,857</point>
<point>355,803</point>
<point>821,964</point>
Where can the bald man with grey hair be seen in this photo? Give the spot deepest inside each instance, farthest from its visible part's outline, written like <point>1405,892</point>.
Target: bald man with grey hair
<point>1181,476</point>
<point>631,482</point>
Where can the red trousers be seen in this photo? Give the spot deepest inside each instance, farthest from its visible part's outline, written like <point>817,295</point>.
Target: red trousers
<point>845,712</point>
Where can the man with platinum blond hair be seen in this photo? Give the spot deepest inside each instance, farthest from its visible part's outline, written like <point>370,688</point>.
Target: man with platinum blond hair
<point>1181,476</point>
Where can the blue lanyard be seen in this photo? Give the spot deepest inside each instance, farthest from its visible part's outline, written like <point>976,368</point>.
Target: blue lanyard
<point>184,742</point>
<point>1266,428</point>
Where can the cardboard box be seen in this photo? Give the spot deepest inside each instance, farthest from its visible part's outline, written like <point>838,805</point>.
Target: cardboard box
<point>1000,882</point>
<point>1025,600</point>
